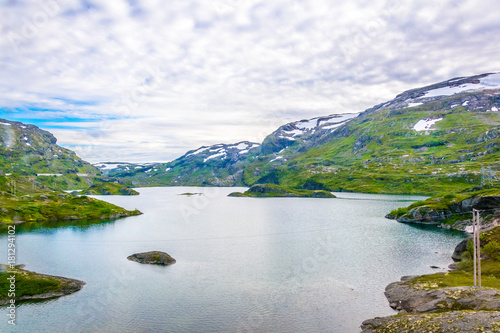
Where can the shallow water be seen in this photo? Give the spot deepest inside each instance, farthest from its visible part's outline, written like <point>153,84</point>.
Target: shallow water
<point>243,264</point>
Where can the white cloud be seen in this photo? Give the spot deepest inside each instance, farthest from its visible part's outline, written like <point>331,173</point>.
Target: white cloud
<point>173,76</point>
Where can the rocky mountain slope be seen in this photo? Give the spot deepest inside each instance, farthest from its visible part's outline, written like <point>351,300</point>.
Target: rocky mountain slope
<point>26,149</point>
<point>439,138</point>
<point>223,164</point>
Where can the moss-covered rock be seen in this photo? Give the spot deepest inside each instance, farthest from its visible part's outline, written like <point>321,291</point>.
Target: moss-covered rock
<point>273,191</point>
<point>152,258</point>
<point>452,210</point>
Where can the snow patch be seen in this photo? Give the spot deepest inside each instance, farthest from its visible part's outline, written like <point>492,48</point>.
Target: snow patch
<point>214,156</point>
<point>168,169</point>
<point>332,126</point>
<point>111,166</point>
<point>341,118</point>
<point>425,124</point>
<point>242,146</point>
<point>6,124</point>
<point>307,124</point>
<point>491,81</point>
<point>411,105</point>
<point>294,132</point>
<point>275,159</point>
<point>199,150</point>
<point>243,152</point>
<point>494,109</point>
<point>465,103</point>
<point>28,144</point>
<point>286,137</point>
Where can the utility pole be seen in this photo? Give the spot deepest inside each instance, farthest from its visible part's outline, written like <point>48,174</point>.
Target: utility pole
<point>476,227</point>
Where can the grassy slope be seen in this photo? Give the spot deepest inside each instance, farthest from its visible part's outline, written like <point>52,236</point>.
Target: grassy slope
<point>22,200</point>
<point>31,284</point>
<point>441,203</point>
<point>109,188</point>
<point>381,153</point>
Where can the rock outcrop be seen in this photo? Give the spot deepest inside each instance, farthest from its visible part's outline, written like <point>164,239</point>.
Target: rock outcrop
<point>405,298</point>
<point>455,321</point>
<point>428,214</point>
<point>152,258</point>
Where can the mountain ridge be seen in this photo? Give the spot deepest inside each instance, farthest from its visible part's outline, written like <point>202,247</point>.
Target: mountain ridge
<point>454,123</point>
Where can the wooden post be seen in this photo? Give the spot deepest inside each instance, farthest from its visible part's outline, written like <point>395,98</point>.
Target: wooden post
<point>474,245</point>
<point>478,249</point>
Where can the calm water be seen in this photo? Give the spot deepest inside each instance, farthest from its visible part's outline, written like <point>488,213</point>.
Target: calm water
<point>243,264</point>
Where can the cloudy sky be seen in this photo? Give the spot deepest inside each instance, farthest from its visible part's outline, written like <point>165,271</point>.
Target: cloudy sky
<point>147,80</point>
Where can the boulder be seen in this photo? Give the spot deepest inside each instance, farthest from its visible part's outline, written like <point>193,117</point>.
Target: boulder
<point>152,258</point>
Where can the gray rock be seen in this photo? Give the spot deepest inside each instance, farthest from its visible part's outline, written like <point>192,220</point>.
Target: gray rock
<point>459,249</point>
<point>403,297</point>
<point>455,321</point>
<point>152,258</point>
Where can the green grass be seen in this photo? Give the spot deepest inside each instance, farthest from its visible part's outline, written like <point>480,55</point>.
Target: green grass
<point>276,191</point>
<point>454,279</point>
<point>444,203</point>
<point>27,284</point>
<point>23,200</point>
<point>109,188</point>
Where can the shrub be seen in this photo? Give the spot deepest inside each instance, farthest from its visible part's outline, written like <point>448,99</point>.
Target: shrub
<point>492,249</point>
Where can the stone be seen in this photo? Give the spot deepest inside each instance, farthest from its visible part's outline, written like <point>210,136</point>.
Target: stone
<point>152,258</point>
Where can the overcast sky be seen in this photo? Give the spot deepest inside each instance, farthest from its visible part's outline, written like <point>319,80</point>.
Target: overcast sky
<point>147,80</point>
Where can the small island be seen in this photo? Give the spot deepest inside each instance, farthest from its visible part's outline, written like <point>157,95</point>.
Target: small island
<point>152,258</point>
<point>31,286</point>
<point>109,188</point>
<point>276,191</point>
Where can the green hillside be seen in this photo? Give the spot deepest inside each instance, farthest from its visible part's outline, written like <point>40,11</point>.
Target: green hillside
<point>380,152</point>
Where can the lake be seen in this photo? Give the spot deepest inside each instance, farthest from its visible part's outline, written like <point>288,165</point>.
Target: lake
<point>243,264</point>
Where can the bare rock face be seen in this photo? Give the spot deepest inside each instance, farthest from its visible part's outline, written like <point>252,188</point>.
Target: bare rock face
<point>152,258</point>
<point>407,299</point>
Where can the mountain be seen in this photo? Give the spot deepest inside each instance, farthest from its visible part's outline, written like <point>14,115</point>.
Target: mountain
<point>34,170</point>
<point>438,138</point>
<point>223,164</point>
<point>26,149</point>
<point>219,165</point>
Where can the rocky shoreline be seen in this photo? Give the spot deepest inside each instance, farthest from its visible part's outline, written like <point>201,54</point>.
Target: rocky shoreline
<point>449,213</point>
<point>426,304</point>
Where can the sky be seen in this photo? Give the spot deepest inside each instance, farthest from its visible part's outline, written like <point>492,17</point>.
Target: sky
<point>148,80</point>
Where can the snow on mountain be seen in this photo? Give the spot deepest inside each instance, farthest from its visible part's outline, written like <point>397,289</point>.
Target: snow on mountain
<point>294,130</point>
<point>107,167</point>
<point>222,151</point>
<point>458,89</point>
<point>425,124</point>
<point>491,81</point>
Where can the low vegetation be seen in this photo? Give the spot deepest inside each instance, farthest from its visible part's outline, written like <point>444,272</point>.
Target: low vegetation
<point>22,201</point>
<point>273,191</point>
<point>33,286</point>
